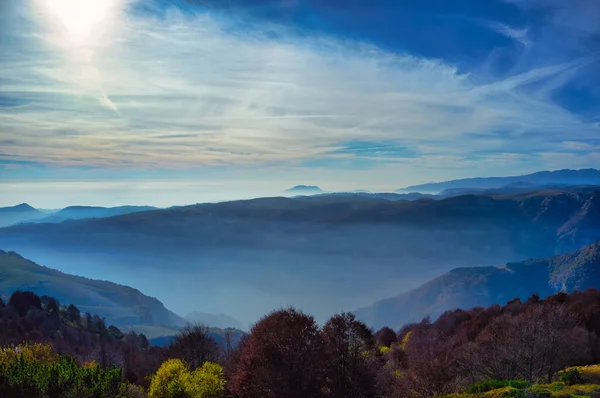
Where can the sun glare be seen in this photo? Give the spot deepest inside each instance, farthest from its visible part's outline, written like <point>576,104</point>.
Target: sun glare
<point>81,19</point>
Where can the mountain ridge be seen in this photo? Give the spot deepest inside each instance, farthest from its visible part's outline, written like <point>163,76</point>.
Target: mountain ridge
<point>558,177</point>
<point>468,287</point>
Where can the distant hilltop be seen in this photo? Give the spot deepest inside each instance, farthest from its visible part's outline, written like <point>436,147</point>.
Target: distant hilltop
<point>305,189</point>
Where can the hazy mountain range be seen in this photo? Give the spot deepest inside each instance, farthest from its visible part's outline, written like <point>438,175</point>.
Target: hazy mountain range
<point>323,253</point>
<point>484,286</point>
<point>15,214</point>
<point>25,213</point>
<point>529,181</point>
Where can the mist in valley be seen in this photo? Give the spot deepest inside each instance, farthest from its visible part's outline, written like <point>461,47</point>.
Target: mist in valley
<point>320,270</point>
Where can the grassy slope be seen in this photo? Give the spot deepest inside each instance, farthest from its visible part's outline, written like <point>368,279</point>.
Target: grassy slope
<point>590,388</point>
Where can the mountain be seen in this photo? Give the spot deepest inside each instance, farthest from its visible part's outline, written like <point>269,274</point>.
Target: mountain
<point>16,214</point>
<point>80,212</point>
<point>265,253</point>
<point>221,321</point>
<point>120,305</point>
<point>304,190</point>
<point>529,181</point>
<point>466,288</point>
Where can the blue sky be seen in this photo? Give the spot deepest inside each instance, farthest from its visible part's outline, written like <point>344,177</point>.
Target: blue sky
<point>265,94</point>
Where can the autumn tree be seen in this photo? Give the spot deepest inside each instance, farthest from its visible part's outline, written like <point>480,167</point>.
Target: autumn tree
<point>385,337</point>
<point>195,346</point>
<point>23,301</point>
<point>351,355</point>
<point>282,357</point>
<point>532,345</point>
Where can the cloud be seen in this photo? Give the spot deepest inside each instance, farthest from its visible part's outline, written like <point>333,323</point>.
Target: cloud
<point>186,90</point>
<point>520,35</point>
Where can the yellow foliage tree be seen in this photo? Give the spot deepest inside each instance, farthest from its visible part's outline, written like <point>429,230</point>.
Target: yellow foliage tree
<point>172,380</point>
<point>208,381</point>
<point>42,353</point>
<point>175,380</point>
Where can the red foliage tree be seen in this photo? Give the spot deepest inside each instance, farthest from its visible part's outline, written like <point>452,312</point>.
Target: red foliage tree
<point>282,357</point>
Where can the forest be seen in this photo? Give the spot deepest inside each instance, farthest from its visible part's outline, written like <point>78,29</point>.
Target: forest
<point>519,349</point>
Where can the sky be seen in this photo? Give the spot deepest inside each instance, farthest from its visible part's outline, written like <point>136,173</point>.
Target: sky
<point>111,102</point>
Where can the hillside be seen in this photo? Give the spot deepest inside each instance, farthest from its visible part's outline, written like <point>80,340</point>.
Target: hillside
<point>483,286</point>
<point>120,305</point>
<point>559,177</point>
<point>16,214</point>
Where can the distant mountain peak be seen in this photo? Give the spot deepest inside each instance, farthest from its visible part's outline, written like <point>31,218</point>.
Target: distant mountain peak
<point>305,189</point>
<point>23,207</point>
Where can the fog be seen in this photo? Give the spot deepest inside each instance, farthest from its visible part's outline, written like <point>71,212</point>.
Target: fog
<point>332,271</point>
<point>60,194</point>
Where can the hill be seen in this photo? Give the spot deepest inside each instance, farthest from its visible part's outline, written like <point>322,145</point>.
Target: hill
<point>483,286</point>
<point>120,305</point>
<point>529,181</point>
<point>304,190</point>
<point>265,253</point>
<point>16,214</point>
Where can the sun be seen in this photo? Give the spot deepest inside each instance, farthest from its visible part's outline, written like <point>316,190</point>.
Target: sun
<point>81,19</point>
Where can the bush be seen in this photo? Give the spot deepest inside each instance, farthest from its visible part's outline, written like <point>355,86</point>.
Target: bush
<point>36,371</point>
<point>571,377</point>
<point>489,385</point>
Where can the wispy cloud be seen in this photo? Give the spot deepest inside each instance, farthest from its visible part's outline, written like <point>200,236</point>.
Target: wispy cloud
<point>185,90</point>
<point>520,35</point>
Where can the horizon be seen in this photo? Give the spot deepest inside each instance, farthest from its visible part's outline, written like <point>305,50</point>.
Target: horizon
<point>65,193</point>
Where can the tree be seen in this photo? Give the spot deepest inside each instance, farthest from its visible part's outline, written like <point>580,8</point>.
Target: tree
<point>195,346</point>
<point>208,381</point>
<point>350,355</point>
<point>23,301</point>
<point>172,380</point>
<point>175,380</point>
<point>532,345</point>
<point>385,337</point>
<point>73,314</point>
<point>282,357</point>
<point>429,366</point>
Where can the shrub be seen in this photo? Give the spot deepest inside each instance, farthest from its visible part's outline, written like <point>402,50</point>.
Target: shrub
<point>571,377</point>
<point>36,371</point>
